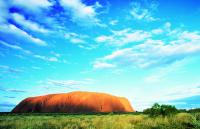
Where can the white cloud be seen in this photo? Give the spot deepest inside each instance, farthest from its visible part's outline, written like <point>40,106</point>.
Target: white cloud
<point>113,22</point>
<point>123,37</point>
<point>140,13</point>
<point>70,83</point>
<point>102,65</point>
<point>153,78</point>
<point>20,19</point>
<point>58,86</point>
<point>13,30</point>
<point>55,54</point>
<point>81,40</point>
<point>15,47</point>
<point>4,12</point>
<point>157,31</point>
<point>103,38</point>
<point>64,83</point>
<point>136,36</point>
<point>33,5</point>
<point>179,92</point>
<point>76,38</point>
<point>80,12</point>
<point>167,25</point>
<point>167,96</point>
<point>35,12</point>
<point>11,70</point>
<point>154,53</point>
<point>162,74</point>
<point>13,90</point>
<point>77,41</point>
<point>51,59</point>
<point>193,36</point>
<point>118,54</point>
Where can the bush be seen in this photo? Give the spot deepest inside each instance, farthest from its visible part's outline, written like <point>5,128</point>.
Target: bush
<point>163,110</point>
<point>196,110</point>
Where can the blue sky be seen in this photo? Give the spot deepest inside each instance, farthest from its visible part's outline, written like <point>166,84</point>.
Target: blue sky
<point>145,50</point>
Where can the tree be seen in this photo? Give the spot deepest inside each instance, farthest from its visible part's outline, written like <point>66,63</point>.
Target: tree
<point>163,110</point>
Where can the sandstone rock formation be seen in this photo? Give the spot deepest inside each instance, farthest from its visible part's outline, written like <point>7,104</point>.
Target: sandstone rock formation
<point>74,102</point>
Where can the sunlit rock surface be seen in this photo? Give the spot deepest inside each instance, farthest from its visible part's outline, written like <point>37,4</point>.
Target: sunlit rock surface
<point>74,102</point>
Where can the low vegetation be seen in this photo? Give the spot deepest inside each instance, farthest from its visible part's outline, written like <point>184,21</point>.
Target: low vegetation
<point>157,117</point>
<point>163,110</point>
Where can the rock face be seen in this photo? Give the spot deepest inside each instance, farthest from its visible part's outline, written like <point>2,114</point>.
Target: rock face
<point>74,102</point>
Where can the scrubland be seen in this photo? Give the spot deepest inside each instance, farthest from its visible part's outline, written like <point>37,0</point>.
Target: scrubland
<point>99,121</point>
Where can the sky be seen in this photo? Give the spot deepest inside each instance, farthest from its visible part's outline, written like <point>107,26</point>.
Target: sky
<point>145,50</point>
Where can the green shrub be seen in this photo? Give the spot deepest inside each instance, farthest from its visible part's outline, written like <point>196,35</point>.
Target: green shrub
<point>163,110</point>
<point>196,110</point>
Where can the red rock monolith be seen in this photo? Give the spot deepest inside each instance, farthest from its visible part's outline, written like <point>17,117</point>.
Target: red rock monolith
<point>74,102</point>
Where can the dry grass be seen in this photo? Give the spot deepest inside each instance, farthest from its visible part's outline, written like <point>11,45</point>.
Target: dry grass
<point>114,121</point>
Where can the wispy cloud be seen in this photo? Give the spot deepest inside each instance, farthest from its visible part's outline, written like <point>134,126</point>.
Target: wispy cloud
<point>32,5</point>
<point>81,13</point>
<point>18,34</point>
<point>152,53</point>
<point>19,48</point>
<point>76,38</point>
<point>13,90</point>
<point>123,37</point>
<point>171,96</point>
<point>28,24</point>
<point>69,83</point>
<point>163,73</point>
<point>11,97</point>
<point>143,13</point>
<point>113,22</point>
<point>81,40</point>
<point>51,84</point>
<point>180,92</point>
<point>51,59</point>
<point>10,70</point>
<point>13,31</point>
<point>103,65</point>
<point>11,28</point>
<point>16,47</point>
<point>4,14</point>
